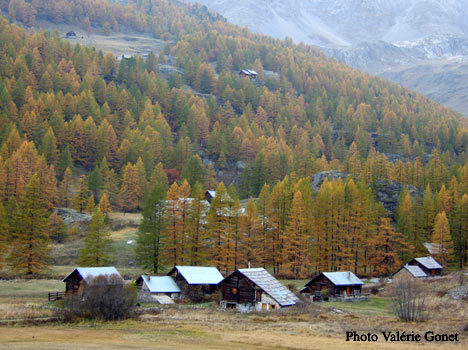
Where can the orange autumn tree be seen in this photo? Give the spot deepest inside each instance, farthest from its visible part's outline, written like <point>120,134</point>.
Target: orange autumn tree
<point>295,254</point>
<point>388,244</point>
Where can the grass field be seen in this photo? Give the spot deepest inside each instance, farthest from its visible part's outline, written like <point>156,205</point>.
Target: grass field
<point>194,327</point>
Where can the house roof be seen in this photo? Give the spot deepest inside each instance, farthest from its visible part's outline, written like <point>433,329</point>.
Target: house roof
<point>199,274</point>
<point>271,286</point>
<point>249,72</point>
<point>428,262</point>
<point>345,278</point>
<point>212,193</point>
<point>415,271</point>
<point>160,284</point>
<point>88,273</point>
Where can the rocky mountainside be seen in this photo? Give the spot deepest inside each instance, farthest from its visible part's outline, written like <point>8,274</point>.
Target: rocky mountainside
<point>404,41</point>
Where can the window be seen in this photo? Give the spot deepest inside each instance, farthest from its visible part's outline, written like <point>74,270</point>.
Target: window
<point>234,290</point>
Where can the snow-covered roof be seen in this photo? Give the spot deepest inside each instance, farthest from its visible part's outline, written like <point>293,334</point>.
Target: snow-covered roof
<point>271,286</point>
<point>161,284</point>
<point>343,278</point>
<point>88,273</point>
<point>200,274</point>
<point>428,262</point>
<point>415,271</point>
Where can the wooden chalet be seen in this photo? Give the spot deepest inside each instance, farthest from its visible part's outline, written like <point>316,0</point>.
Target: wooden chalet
<point>196,282</point>
<point>428,265</point>
<point>161,289</point>
<point>409,271</point>
<point>335,286</point>
<point>71,35</point>
<point>249,73</point>
<point>255,289</point>
<point>76,281</point>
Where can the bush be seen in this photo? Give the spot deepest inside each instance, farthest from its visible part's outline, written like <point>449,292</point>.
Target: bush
<point>105,297</point>
<point>409,299</point>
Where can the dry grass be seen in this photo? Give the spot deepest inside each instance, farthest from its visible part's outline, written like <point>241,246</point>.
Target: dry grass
<point>196,329</point>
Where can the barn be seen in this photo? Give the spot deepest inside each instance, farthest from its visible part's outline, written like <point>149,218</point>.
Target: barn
<point>409,271</point>
<point>161,289</point>
<point>428,265</point>
<point>249,73</point>
<point>255,289</point>
<point>76,281</point>
<point>335,285</point>
<point>196,282</point>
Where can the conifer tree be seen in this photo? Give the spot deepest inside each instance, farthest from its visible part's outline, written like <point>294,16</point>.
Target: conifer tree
<point>98,249</point>
<point>30,252</point>
<point>296,259</point>
<point>441,239</point>
<point>81,199</point>
<point>4,230</point>
<point>251,243</point>
<point>105,205</point>
<point>91,204</point>
<point>151,233</point>
<point>159,176</point>
<point>130,193</point>
<point>65,189</point>
<point>388,244</point>
<point>459,231</point>
<point>197,235</point>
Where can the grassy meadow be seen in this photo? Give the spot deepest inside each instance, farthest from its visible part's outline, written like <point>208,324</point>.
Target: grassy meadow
<point>205,326</point>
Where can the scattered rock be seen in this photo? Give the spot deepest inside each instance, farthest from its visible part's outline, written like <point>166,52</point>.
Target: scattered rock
<point>337,311</point>
<point>459,293</point>
<point>71,216</point>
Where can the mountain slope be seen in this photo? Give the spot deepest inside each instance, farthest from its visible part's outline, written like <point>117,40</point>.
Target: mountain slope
<point>375,36</point>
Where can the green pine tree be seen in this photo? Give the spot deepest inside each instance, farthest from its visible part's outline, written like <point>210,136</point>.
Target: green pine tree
<point>30,252</point>
<point>151,236</point>
<point>98,249</point>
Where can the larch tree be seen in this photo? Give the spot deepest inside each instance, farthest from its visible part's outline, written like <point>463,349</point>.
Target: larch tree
<point>30,251</point>
<point>66,188</point>
<point>98,249</point>
<point>388,244</point>
<point>130,193</point>
<point>441,239</point>
<point>218,222</point>
<point>151,238</point>
<point>295,251</point>
<point>251,243</point>
<point>197,235</point>
<point>3,234</point>
<point>104,204</point>
<point>459,231</point>
<point>81,198</point>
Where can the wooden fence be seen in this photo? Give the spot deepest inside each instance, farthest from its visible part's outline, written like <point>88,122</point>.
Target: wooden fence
<point>54,296</point>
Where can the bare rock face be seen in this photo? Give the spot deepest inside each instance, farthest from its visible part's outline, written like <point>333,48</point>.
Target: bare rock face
<point>405,41</point>
<point>71,216</point>
<point>388,192</point>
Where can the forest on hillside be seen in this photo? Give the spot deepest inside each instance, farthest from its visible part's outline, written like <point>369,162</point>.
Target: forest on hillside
<point>80,128</point>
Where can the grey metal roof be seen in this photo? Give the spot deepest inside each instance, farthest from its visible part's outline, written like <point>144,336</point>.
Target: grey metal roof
<point>161,284</point>
<point>428,262</point>
<point>200,274</point>
<point>343,278</point>
<point>271,286</point>
<point>415,271</point>
<point>88,273</point>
